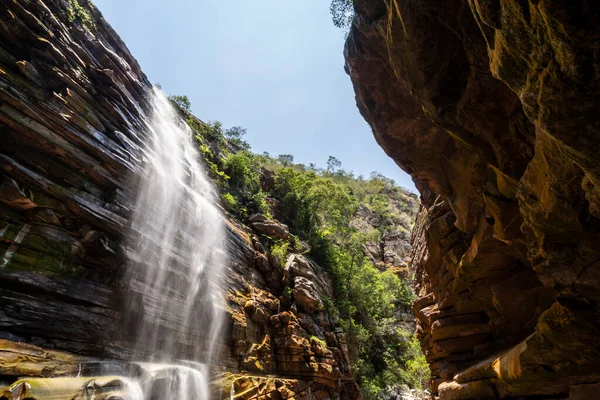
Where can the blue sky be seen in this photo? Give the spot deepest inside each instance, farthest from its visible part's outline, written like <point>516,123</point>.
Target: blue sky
<point>273,67</point>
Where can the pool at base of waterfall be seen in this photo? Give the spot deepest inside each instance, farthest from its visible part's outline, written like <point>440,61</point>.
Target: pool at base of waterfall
<point>181,380</point>
<point>119,381</point>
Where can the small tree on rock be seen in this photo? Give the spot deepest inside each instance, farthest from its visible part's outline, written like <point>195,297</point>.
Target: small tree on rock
<point>235,136</point>
<point>182,102</point>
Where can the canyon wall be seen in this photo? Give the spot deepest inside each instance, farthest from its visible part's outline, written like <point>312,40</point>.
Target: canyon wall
<point>490,105</point>
<point>73,110</point>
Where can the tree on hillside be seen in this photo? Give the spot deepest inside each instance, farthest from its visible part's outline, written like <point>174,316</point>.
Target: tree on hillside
<point>342,12</point>
<point>285,159</point>
<point>333,164</point>
<point>235,136</point>
<point>182,102</point>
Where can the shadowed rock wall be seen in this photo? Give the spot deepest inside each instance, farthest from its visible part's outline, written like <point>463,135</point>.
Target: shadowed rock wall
<point>491,107</point>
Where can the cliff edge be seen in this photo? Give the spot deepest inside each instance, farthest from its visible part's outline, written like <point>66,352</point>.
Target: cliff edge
<point>491,106</point>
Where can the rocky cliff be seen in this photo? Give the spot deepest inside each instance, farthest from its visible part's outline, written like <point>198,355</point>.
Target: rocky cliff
<point>491,106</point>
<point>73,110</point>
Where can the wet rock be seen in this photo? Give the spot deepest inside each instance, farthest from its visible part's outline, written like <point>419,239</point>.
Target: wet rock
<point>101,388</point>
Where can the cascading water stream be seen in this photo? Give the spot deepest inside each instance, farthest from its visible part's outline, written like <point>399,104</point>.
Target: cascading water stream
<point>175,258</point>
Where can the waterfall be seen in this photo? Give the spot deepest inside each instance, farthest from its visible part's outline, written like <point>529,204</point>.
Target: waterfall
<point>176,256</point>
<point>175,382</point>
<point>134,391</point>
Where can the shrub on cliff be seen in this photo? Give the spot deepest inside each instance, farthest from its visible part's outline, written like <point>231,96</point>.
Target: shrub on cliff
<point>235,136</point>
<point>244,183</point>
<point>77,13</point>
<point>182,102</point>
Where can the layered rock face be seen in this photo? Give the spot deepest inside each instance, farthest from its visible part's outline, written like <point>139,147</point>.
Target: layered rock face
<point>73,106</point>
<point>71,117</point>
<point>491,107</point>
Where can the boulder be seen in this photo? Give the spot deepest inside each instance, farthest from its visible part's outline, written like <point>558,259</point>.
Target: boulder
<point>270,227</point>
<point>306,294</point>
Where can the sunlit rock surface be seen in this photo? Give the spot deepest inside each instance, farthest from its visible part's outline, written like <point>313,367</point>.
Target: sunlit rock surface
<point>491,107</point>
<point>104,388</point>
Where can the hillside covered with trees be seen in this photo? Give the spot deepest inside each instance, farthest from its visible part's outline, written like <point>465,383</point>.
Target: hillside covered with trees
<point>336,219</point>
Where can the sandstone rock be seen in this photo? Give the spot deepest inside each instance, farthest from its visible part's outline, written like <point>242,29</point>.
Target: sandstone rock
<point>20,359</point>
<point>104,387</point>
<point>306,295</point>
<point>269,227</point>
<point>300,266</point>
<point>490,109</point>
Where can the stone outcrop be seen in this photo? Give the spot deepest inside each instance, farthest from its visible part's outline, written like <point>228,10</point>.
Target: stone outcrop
<point>100,388</point>
<point>270,227</point>
<point>21,359</point>
<point>291,335</point>
<point>73,111</point>
<point>491,107</point>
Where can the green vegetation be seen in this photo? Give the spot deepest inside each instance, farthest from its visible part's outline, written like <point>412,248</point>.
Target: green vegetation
<point>235,137</point>
<point>280,251</point>
<point>336,214</point>
<point>75,12</point>
<point>319,341</point>
<point>342,12</point>
<point>182,102</point>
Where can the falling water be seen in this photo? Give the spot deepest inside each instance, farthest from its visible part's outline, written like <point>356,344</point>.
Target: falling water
<point>175,382</point>
<point>134,391</point>
<point>176,256</point>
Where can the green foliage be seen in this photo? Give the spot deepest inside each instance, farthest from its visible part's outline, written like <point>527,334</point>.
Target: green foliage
<point>244,183</point>
<point>331,307</point>
<point>388,355</point>
<point>280,251</point>
<point>235,136</point>
<point>242,168</point>
<point>213,133</point>
<point>287,292</point>
<point>319,206</point>
<point>319,341</point>
<point>342,12</point>
<point>416,371</point>
<point>333,164</point>
<point>182,102</point>
<point>75,12</point>
<point>316,207</point>
<point>229,202</point>
<point>358,338</point>
<point>213,163</point>
<point>286,159</point>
